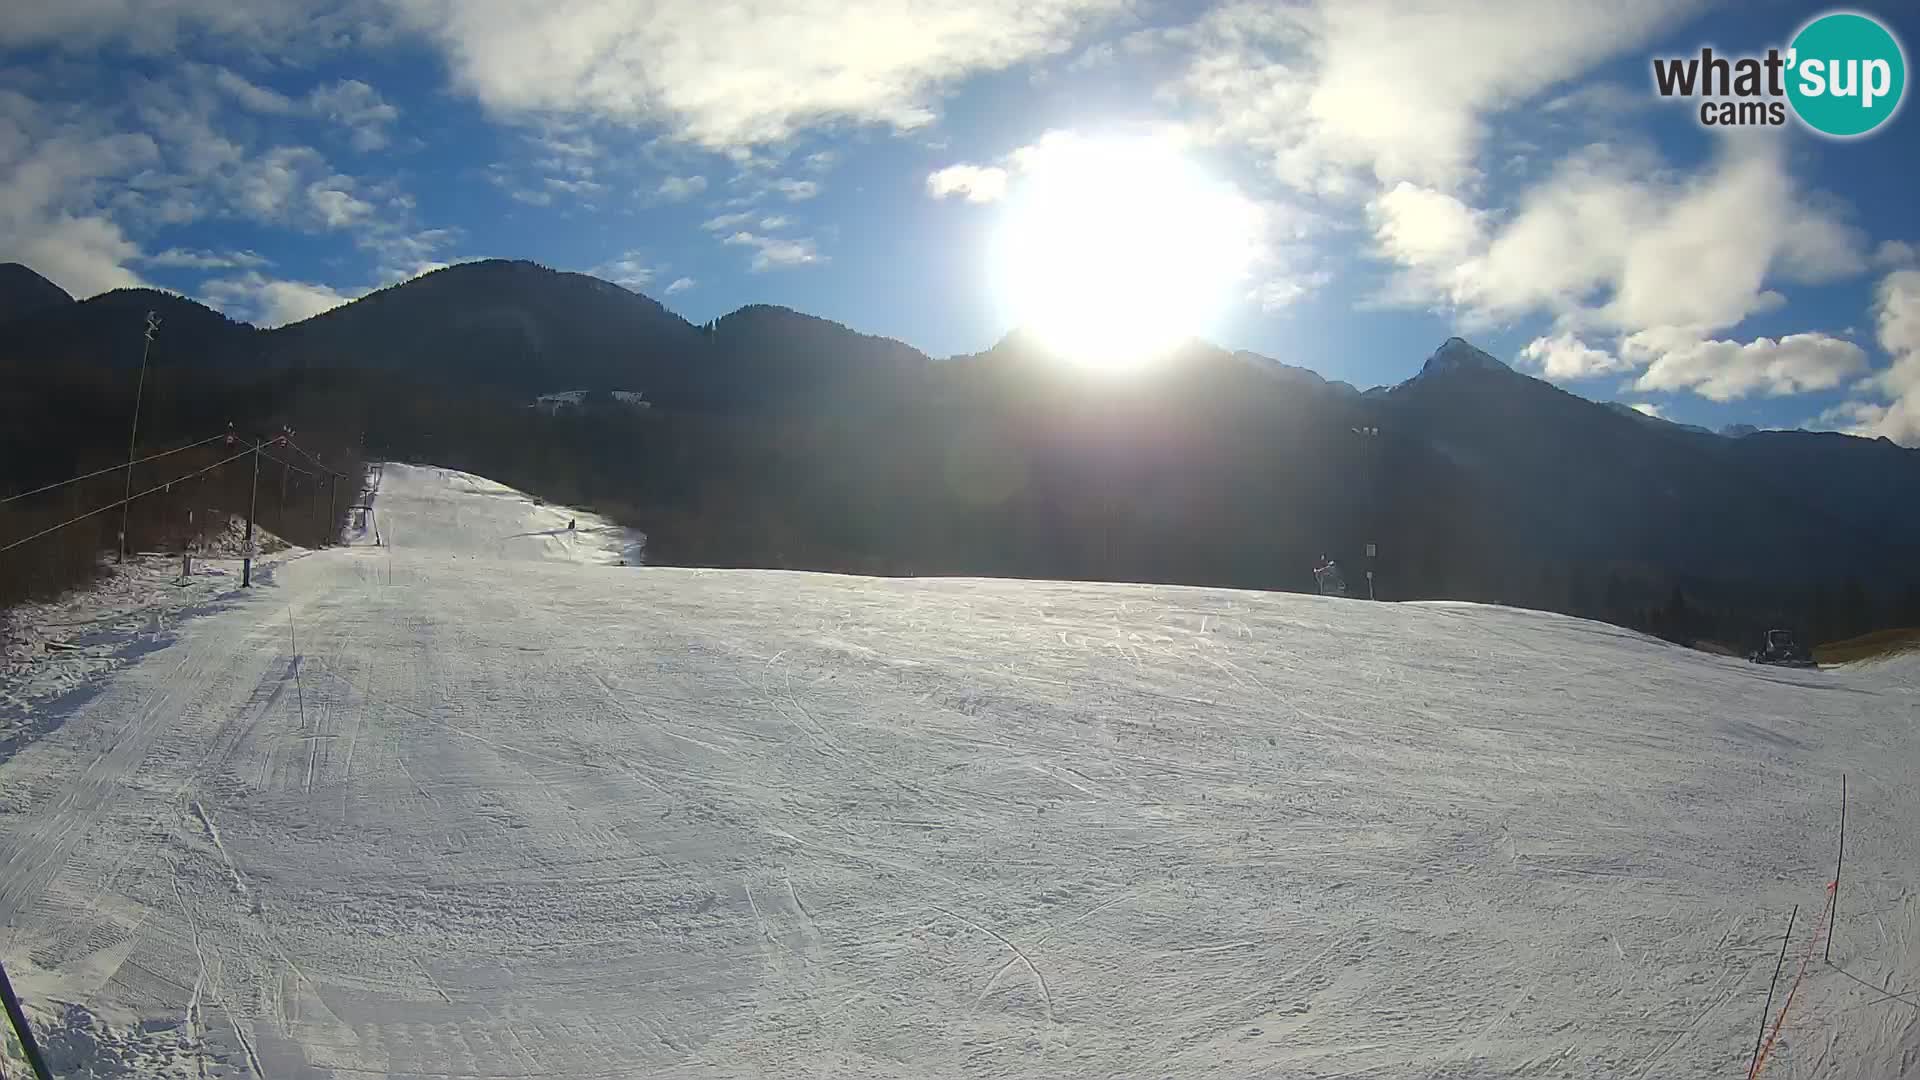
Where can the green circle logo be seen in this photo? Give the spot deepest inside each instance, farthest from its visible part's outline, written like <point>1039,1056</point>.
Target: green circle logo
<point>1846,74</point>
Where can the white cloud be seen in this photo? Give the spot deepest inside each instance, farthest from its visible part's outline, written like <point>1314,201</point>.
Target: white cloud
<point>498,175</point>
<point>567,144</point>
<point>270,302</point>
<point>978,183</point>
<point>680,285</point>
<point>724,222</point>
<point>629,269</point>
<point>774,252</point>
<point>820,161</point>
<point>405,253</point>
<point>565,151</point>
<point>1034,155</point>
<point>54,173</point>
<point>1565,356</point>
<point>206,260</point>
<point>1727,370</point>
<point>1606,99</point>
<point>677,188</point>
<point>357,107</point>
<point>574,187</point>
<point>775,221</point>
<point>1098,55</point>
<point>1648,408</point>
<point>158,28</point>
<point>251,95</point>
<point>1896,254</point>
<point>83,255</point>
<point>350,103</point>
<point>1897,415</point>
<point>1435,235</point>
<point>332,199</point>
<point>796,190</point>
<point>1336,93</point>
<point>264,188</point>
<point>77,189</point>
<point>1275,293</point>
<point>720,77</point>
<point>1613,240</point>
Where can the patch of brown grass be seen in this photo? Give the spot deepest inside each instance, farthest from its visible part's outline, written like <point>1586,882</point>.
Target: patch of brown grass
<point>1877,645</point>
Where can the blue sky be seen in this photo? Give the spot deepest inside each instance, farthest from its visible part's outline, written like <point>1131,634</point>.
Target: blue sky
<point>1500,170</point>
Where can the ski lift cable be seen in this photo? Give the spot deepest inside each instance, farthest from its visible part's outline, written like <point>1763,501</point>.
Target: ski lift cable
<point>113,468</point>
<point>288,464</point>
<point>317,463</point>
<point>128,499</point>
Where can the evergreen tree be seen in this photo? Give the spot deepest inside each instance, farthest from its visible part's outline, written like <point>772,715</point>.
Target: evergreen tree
<point>1618,602</point>
<point>1675,621</point>
<point>1855,615</point>
<point>1821,620</point>
<point>1580,594</point>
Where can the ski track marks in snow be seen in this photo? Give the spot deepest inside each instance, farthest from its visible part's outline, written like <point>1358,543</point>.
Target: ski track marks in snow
<point>480,803</point>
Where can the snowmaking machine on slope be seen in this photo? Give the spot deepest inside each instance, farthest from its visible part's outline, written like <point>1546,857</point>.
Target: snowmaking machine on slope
<point>1781,650</point>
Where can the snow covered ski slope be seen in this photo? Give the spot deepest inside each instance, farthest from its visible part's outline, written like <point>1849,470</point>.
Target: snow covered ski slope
<point>476,804</point>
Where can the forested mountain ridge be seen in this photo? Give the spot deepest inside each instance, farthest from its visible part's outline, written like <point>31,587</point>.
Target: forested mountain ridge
<point>777,438</point>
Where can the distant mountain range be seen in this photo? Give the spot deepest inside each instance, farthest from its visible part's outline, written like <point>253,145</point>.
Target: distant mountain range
<point>503,325</point>
<point>1466,463</point>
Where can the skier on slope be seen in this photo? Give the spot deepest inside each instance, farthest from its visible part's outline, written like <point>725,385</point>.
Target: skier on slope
<point>1326,573</point>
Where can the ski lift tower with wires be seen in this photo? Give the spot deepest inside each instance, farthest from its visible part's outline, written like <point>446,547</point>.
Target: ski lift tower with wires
<point>133,436</point>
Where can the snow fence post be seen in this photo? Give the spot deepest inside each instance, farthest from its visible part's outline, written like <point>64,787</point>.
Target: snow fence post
<point>1768,1007</point>
<point>20,1026</point>
<point>253,503</point>
<point>1838,858</point>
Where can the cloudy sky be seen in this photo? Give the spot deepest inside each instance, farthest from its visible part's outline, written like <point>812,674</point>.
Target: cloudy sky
<point>1409,170</point>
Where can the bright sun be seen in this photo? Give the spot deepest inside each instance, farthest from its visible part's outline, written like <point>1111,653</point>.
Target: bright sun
<point>1114,250</point>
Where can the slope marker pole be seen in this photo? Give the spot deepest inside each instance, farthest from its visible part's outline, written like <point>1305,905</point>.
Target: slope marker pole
<point>1768,1007</point>
<point>253,504</point>
<point>1838,858</point>
<point>19,1018</point>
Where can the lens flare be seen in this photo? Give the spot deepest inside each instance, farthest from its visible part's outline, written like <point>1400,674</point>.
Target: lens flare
<point>1114,250</point>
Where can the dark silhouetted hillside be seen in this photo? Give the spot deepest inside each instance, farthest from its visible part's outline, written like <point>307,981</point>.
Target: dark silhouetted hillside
<point>108,330</point>
<point>780,439</point>
<point>512,327</point>
<point>23,292</point>
<point>1576,481</point>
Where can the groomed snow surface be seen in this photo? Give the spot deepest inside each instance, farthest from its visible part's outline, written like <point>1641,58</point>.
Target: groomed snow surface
<point>475,803</point>
<point>53,647</point>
